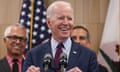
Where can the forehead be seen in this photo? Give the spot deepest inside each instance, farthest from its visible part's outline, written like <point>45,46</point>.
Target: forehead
<point>62,10</point>
<point>79,32</point>
<point>17,30</point>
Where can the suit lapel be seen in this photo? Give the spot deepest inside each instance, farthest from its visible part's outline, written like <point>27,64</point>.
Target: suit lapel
<point>48,49</point>
<point>74,54</point>
<point>6,66</point>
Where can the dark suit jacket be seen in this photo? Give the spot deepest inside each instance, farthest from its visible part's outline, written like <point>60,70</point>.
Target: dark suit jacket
<point>79,56</point>
<point>102,68</point>
<point>4,66</point>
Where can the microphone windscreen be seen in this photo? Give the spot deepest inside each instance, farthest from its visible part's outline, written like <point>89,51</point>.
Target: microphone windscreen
<point>63,56</point>
<point>63,61</point>
<point>48,56</point>
<point>47,61</point>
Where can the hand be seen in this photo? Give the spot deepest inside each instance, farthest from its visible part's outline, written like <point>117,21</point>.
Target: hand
<point>33,69</point>
<point>75,69</point>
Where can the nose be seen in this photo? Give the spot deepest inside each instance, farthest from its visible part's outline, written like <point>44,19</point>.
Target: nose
<point>18,40</point>
<point>77,40</point>
<point>66,21</point>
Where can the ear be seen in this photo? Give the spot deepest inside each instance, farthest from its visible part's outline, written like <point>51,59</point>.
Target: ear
<point>4,39</point>
<point>48,23</point>
<point>88,44</point>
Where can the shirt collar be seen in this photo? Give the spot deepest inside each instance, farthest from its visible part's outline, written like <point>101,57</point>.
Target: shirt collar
<point>10,58</point>
<point>67,43</point>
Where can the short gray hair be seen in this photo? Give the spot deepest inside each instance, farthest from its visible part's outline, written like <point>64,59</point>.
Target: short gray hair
<point>9,28</point>
<point>50,9</point>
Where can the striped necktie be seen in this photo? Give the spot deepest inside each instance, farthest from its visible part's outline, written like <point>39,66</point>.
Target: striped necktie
<point>57,56</point>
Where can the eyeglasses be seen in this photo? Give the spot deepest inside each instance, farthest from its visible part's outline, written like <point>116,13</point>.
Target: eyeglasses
<point>22,39</point>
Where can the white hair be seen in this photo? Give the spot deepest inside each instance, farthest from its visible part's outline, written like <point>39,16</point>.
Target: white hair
<point>50,9</point>
<point>9,28</point>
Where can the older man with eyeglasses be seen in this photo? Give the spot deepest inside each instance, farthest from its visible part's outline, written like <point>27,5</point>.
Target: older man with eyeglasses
<point>15,39</point>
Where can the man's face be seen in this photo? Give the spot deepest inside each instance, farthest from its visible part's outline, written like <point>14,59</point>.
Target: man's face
<point>80,36</point>
<point>16,41</point>
<point>61,23</point>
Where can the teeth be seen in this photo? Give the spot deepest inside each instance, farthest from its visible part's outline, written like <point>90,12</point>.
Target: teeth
<point>64,29</point>
<point>16,47</point>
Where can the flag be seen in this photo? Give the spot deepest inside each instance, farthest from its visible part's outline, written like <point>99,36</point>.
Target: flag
<point>40,31</point>
<point>107,55</point>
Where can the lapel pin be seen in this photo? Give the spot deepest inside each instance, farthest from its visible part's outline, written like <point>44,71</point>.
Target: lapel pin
<point>74,52</point>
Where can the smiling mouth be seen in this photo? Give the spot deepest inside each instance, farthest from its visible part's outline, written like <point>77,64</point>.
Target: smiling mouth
<point>16,46</point>
<point>64,28</point>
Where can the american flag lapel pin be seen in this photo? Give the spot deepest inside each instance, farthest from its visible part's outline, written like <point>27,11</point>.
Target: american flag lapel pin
<point>74,52</point>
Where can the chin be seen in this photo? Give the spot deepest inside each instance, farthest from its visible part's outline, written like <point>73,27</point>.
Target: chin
<point>16,54</point>
<point>65,37</point>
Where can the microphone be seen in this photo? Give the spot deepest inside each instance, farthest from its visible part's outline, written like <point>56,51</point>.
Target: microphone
<point>47,61</point>
<point>63,62</point>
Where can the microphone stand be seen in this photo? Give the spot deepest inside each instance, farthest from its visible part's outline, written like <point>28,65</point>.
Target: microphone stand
<point>47,62</point>
<point>62,69</point>
<point>46,67</point>
<point>63,65</point>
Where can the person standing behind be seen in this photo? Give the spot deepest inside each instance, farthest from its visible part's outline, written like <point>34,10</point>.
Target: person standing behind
<point>81,35</point>
<point>15,39</point>
<point>60,20</point>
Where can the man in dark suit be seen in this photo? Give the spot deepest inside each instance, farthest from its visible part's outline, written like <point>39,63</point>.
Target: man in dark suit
<point>81,35</point>
<point>79,59</point>
<point>15,39</point>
